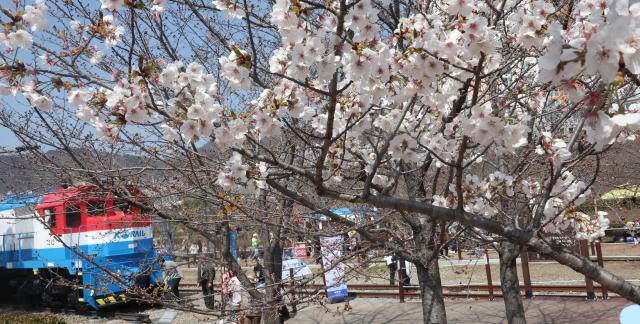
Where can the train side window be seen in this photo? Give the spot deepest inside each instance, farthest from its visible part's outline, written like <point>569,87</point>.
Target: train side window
<point>73,214</point>
<point>96,208</point>
<point>50,217</point>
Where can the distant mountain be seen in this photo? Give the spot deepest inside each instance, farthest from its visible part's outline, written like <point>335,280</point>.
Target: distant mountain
<point>17,175</point>
<point>27,171</point>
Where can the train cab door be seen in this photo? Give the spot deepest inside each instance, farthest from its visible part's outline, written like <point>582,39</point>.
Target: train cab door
<point>73,213</point>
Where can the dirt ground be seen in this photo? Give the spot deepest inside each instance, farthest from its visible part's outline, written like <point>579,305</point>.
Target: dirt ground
<point>538,310</point>
<point>548,273</point>
<point>374,311</point>
<point>615,249</point>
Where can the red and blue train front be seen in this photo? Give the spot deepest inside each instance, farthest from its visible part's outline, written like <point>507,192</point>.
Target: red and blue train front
<point>82,246</point>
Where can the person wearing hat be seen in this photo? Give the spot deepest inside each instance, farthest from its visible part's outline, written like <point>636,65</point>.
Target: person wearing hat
<point>255,243</point>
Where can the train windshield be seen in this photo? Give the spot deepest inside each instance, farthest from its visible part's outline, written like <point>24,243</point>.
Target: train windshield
<point>96,208</point>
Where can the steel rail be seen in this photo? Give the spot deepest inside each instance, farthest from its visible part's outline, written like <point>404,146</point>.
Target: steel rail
<point>452,291</point>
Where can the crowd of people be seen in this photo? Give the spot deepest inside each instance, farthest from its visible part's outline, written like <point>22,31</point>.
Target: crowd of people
<point>239,302</point>
<point>236,301</point>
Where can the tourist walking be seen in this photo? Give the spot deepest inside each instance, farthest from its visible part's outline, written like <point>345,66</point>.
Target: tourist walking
<point>236,299</point>
<point>258,273</point>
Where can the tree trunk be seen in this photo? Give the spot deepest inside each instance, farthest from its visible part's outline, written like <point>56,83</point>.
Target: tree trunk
<point>508,253</point>
<point>427,252</point>
<point>270,316</point>
<point>433,310</point>
<point>270,267</point>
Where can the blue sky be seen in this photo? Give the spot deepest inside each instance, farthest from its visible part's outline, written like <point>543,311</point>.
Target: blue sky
<point>7,139</point>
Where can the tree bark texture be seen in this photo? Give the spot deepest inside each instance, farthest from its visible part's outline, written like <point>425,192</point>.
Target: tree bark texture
<point>433,309</point>
<point>508,253</point>
<point>425,256</point>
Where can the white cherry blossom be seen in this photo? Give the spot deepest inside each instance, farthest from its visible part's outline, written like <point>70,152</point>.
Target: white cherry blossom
<point>111,5</point>
<point>18,39</point>
<point>231,8</point>
<point>39,101</point>
<point>233,71</point>
<point>36,16</point>
<point>96,58</point>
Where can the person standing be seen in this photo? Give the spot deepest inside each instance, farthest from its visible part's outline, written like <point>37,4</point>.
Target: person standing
<point>444,248</point>
<point>206,276</point>
<point>184,251</point>
<point>172,275</point>
<point>193,251</point>
<point>258,273</point>
<point>392,264</point>
<point>255,244</point>
<point>235,300</point>
<point>406,272</point>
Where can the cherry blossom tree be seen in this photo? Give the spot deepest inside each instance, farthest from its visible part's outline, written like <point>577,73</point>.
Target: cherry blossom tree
<point>491,115</point>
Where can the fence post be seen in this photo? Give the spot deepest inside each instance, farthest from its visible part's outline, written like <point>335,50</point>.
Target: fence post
<point>489,281</point>
<point>294,308</point>
<point>605,295</point>
<point>526,275</point>
<point>584,250</point>
<point>459,248</point>
<point>401,279</point>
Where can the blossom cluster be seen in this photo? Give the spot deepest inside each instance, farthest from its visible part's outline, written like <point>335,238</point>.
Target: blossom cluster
<point>157,6</point>
<point>567,191</point>
<point>555,150</point>
<point>34,17</point>
<point>606,33</point>
<point>587,227</point>
<point>485,128</point>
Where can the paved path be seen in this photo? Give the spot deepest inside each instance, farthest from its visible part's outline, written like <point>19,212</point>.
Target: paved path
<point>538,310</point>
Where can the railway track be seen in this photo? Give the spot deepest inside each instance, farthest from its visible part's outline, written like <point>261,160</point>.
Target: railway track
<point>451,291</point>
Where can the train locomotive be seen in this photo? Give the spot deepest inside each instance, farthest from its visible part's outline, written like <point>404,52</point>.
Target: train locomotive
<point>75,246</point>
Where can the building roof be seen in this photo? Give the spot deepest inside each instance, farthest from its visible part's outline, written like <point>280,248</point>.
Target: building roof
<point>18,201</point>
